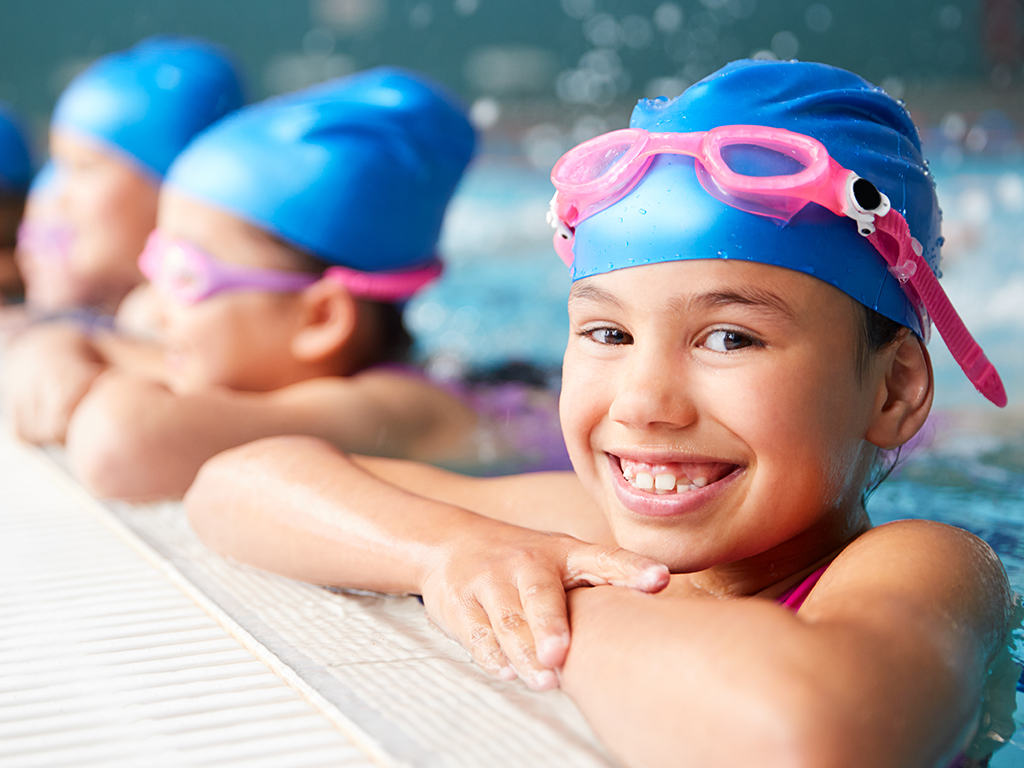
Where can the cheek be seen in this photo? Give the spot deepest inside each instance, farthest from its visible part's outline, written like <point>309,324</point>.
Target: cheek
<point>583,403</point>
<point>237,340</point>
<point>804,428</point>
<point>113,212</point>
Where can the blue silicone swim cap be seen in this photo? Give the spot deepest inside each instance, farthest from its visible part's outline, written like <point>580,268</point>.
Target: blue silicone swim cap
<point>147,102</point>
<point>670,217</point>
<point>15,158</point>
<point>357,171</point>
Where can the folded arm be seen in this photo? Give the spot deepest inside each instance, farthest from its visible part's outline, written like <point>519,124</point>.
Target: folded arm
<point>298,507</point>
<point>50,367</point>
<point>883,666</point>
<point>132,437</point>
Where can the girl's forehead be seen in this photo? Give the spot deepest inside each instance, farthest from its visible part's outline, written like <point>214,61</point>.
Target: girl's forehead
<point>220,233</point>
<point>710,283</point>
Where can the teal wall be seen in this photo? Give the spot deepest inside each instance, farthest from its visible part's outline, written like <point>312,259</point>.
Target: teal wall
<point>43,41</point>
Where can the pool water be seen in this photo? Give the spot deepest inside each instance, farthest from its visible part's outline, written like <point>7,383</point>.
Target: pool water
<point>504,298</point>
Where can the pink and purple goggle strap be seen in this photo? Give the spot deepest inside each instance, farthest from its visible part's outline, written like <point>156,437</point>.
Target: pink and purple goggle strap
<point>390,287</point>
<point>189,274</point>
<point>600,172</point>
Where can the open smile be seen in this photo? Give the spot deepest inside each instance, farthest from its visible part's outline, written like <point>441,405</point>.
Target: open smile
<point>662,488</point>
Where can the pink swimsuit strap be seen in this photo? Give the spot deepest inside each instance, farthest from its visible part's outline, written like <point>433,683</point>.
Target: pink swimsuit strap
<point>794,597</point>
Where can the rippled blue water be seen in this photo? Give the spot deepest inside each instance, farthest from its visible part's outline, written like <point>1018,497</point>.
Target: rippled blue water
<point>504,297</point>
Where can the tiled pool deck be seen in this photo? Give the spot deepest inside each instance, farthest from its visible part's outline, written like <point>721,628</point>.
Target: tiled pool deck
<point>124,642</point>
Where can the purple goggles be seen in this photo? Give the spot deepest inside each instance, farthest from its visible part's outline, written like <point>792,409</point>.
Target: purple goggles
<point>188,275</point>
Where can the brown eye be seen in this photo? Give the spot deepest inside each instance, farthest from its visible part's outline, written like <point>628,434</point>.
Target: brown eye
<point>610,336</point>
<point>727,341</point>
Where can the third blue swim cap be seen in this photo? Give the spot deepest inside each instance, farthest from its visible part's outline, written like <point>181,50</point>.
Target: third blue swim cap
<point>356,171</point>
<point>15,158</point>
<point>669,216</point>
<point>147,102</point>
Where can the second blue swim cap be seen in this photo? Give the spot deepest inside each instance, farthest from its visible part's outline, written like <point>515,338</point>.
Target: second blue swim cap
<point>356,171</point>
<point>148,101</point>
<point>15,158</point>
<point>669,216</point>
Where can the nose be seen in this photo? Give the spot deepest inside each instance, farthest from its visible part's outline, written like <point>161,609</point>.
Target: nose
<point>654,389</point>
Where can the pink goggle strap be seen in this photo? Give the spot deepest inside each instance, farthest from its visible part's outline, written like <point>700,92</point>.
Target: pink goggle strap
<point>892,239</point>
<point>385,286</point>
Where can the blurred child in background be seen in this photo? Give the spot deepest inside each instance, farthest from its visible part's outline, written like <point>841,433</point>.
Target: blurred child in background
<point>289,236</point>
<point>113,134</point>
<point>15,175</point>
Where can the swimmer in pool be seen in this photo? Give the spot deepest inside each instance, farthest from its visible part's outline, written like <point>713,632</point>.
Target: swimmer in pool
<point>748,322</point>
<point>113,134</point>
<point>289,235</point>
<point>15,175</point>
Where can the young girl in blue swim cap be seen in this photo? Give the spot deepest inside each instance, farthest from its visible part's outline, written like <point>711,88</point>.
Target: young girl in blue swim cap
<point>288,237</point>
<point>113,134</point>
<point>747,344</point>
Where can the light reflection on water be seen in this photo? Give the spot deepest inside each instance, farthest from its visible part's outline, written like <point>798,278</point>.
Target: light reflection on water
<point>504,297</point>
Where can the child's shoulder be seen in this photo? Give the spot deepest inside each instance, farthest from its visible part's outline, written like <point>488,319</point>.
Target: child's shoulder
<point>916,570</point>
<point>921,545</point>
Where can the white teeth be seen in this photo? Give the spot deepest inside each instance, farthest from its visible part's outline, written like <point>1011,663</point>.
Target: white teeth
<point>665,482</point>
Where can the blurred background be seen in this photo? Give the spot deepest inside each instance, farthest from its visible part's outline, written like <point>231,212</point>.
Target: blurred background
<point>542,75</point>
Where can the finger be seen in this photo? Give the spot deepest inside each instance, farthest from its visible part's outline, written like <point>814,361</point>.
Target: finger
<point>473,629</point>
<point>513,634</point>
<point>543,600</point>
<point>600,565</point>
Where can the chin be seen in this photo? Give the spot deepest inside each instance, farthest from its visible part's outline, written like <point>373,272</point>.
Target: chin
<point>678,552</point>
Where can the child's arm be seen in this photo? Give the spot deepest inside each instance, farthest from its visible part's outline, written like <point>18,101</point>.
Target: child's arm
<point>134,438</point>
<point>49,368</point>
<point>47,371</point>
<point>299,507</point>
<point>882,666</point>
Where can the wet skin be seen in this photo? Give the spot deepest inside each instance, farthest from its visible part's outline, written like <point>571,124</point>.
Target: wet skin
<point>738,375</point>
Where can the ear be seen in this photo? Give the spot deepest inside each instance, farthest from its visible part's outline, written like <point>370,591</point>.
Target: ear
<point>327,321</point>
<point>904,396</point>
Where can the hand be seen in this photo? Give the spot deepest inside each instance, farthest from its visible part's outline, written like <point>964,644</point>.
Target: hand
<point>501,591</point>
<point>47,372</point>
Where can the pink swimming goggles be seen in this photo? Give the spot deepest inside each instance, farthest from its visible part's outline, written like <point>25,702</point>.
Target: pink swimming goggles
<point>600,172</point>
<point>188,275</point>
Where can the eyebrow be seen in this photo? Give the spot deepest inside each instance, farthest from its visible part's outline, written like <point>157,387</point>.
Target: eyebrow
<point>588,292</point>
<point>754,297</point>
<point>760,299</point>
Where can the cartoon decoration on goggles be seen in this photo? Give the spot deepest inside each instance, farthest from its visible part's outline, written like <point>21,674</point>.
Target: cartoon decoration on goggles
<point>598,173</point>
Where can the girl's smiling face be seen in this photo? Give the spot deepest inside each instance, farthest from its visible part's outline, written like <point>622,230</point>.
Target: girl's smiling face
<point>714,410</point>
